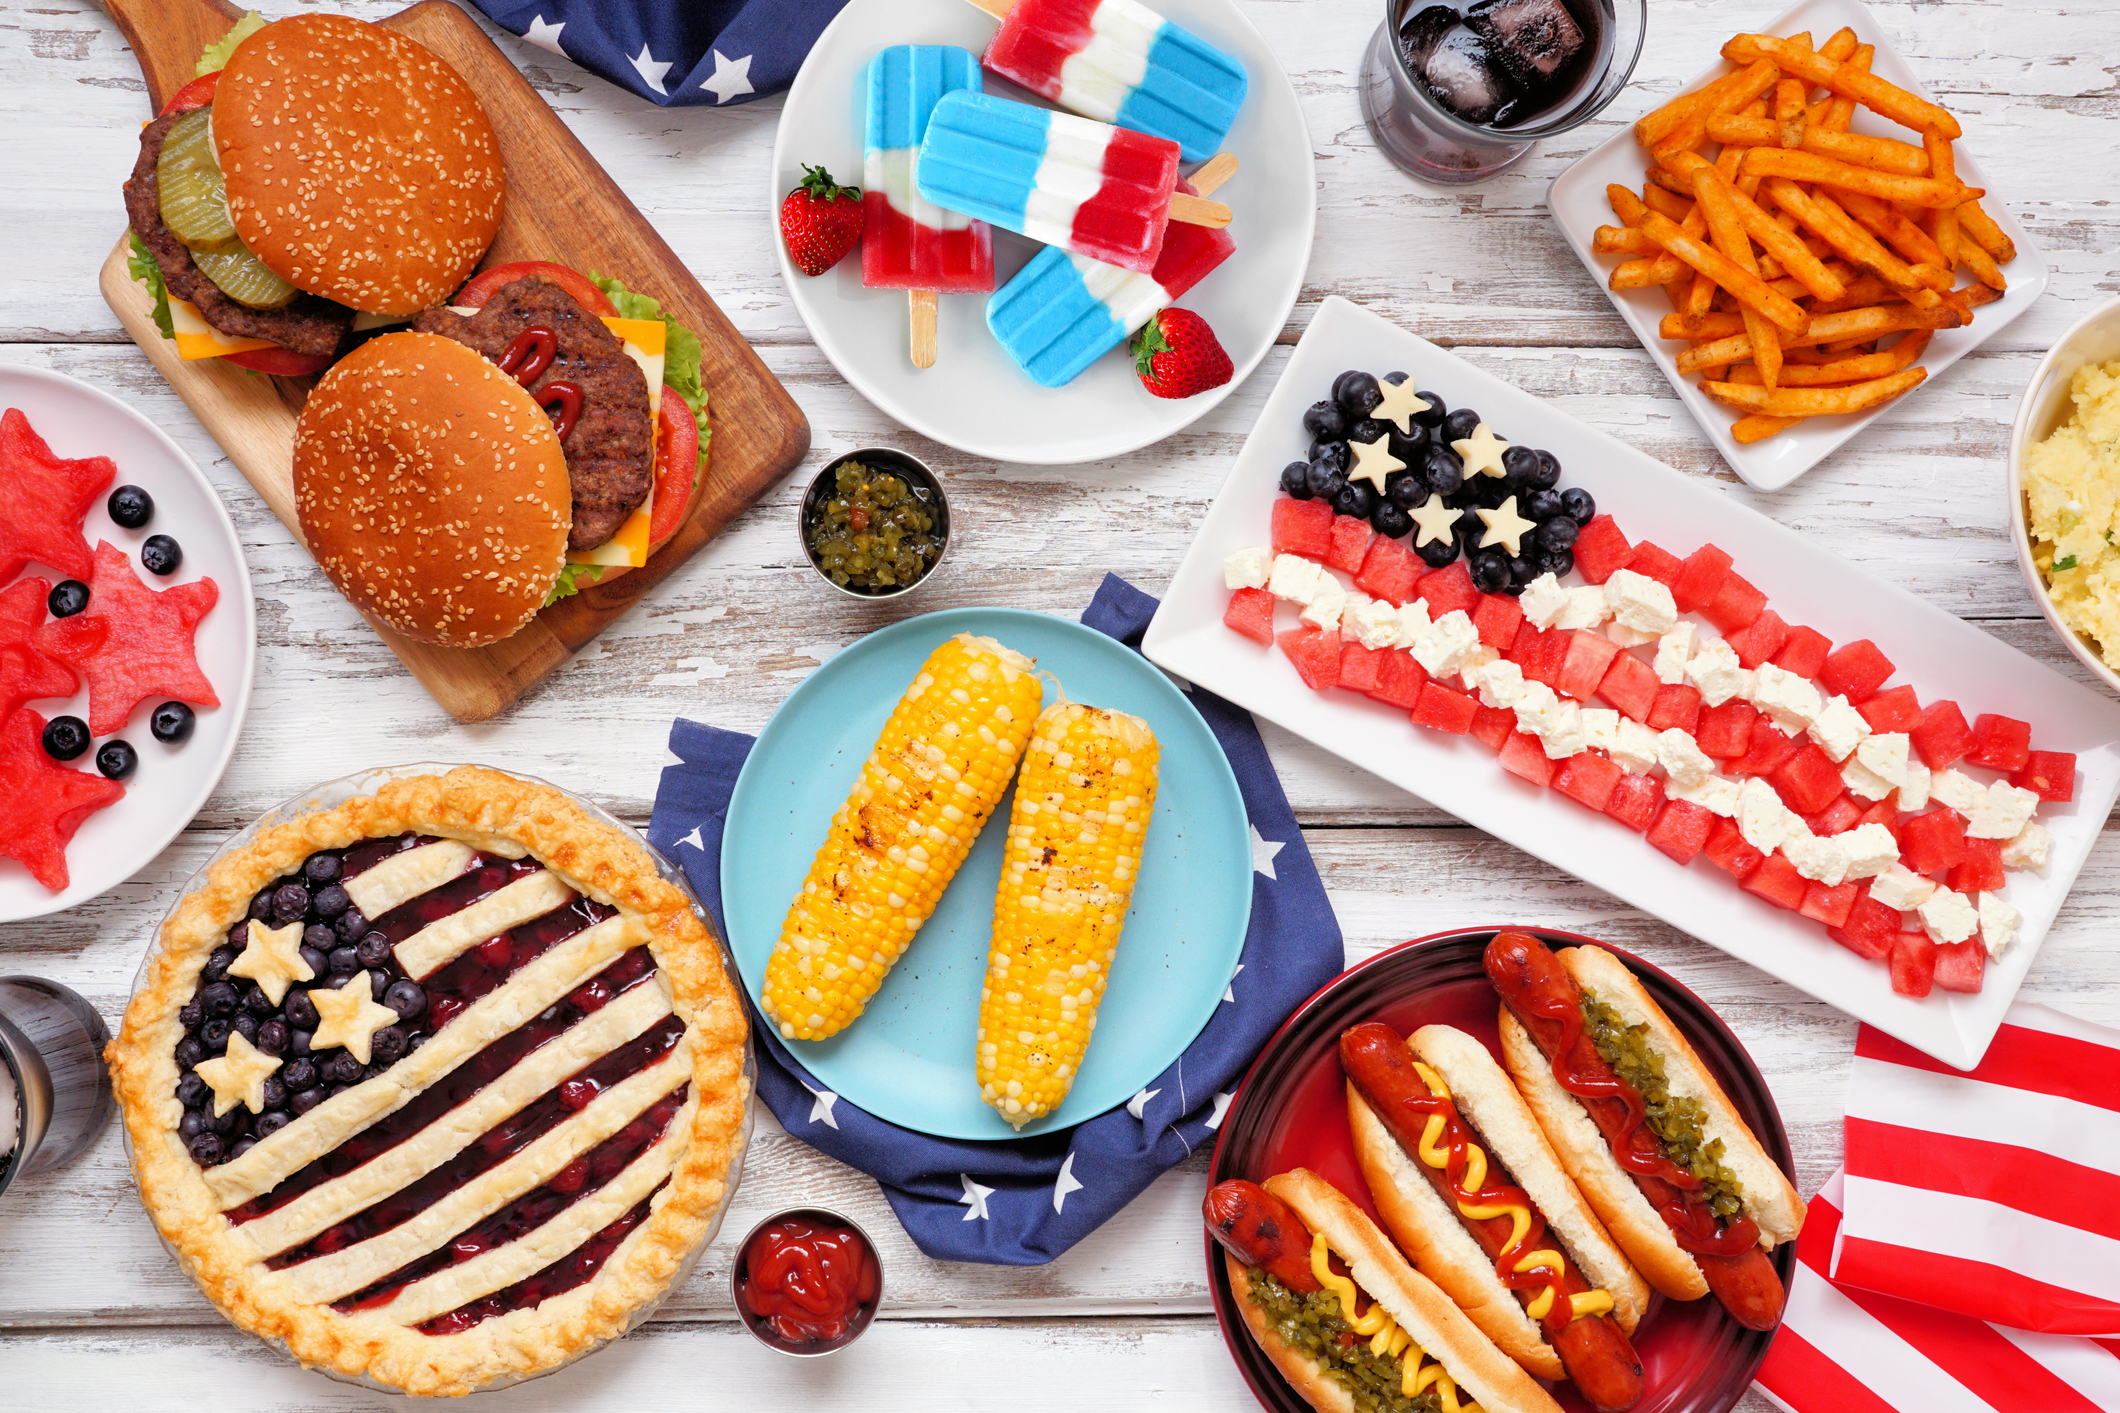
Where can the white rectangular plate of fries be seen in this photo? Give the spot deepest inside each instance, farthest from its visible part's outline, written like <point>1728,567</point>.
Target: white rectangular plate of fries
<point>1580,205</point>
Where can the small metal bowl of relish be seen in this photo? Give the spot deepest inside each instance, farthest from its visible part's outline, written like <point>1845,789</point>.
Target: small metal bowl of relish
<point>807,1281</point>
<point>875,523</point>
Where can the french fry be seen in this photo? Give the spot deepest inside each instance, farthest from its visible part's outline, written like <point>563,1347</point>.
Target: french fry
<point>1888,223</point>
<point>1942,223</point>
<point>1840,46</point>
<point>1619,240</point>
<point>1789,111</point>
<point>1858,369</point>
<point>1883,154</point>
<point>1814,402</point>
<point>1669,202</point>
<point>1728,231</point>
<point>1831,171</point>
<point>1886,99</point>
<point>1976,222</point>
<point>1840,108</point>
<point>1854,244</point>
<point>1625,204</point>
<point>1736,92</point>
<point>1756,427</point>
<point>1983,264</point>
<point>1850,326</point>
<point>1862,290</point>
<point>1708,326</point>
<point>1644,272</point>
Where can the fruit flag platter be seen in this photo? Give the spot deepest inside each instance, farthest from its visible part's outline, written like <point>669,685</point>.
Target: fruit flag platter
<point>1489,790</point>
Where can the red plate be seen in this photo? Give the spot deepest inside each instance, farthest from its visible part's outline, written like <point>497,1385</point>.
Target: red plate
<point>1291,1111</point>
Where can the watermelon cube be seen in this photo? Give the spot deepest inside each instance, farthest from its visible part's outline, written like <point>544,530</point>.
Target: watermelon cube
<point>1389,570</point>
<point>1700,579</point>
<point>1681,831</point>
<point>1777,880</point>
<point>1726,730</point>
<point>1803,652</point>
<point>1737,605</point>
<point>1630,684</point>
<point>1589,654</point>
<point>1350,543</point>
<point>1444,710</point>
<point>1807,779</point>
<point>1933,842</point>
<point>1497,619</point>
<point>1871,930</point>
<point>1540,652</point>
<point>1913,964</point>
<point>1655,561</point>
<point>1884,812</point>
<point>1830,906</point>
<point>1759,641</point>
<point>1399,681</point>
<point>1359,666</point>
<point>2051,775</point>
<point>1315,653</point>
<point>1250,612</point>
<point>1767,749</point>
<point>1961,966</point>
<point>1588,779</point>
<point>1525,757</point>
<point>1635,800</point>
<point>1677,705</point>
<point>2000,742</point>
<point>1837,818</point>
<point>1894,709</point>
<point>1982,870</point>
<point>1942,737</point>
<point>1449,588</point>
<point>1601,550</point>
<point>1727,850</point>
<point>1491,726</point>
<point>1856,670</point>
<point>1302,527</point>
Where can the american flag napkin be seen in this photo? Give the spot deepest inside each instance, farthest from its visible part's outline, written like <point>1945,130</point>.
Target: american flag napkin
<point>675,53</point>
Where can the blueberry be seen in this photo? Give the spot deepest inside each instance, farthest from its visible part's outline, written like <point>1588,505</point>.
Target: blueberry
<point>1437,553</point>
<point>1370,429</point>
<point>290,903</point>
<point>233,1124</point>
<point>1407,492</point>
<point>387,1046</point>
<point>190,1014</point>
<point>272,1037</point>
<point>1442,469</point>
<point>190,1050</point>
<point>1357,393</point>
<point>1491,491</point>
<point>1549,471</point>
<point>206,1149</point>
<point>1555,562</point>
<point>378,983</point>
<point>1523,569</point>
<point>1469,527</point>
<point>413,1045</point>
<point>261,905</point>
<point>298,1042</point>
<point>194,1121</point>
<point>272,1121</point>
<point>214,1033</point>
<point>1437,410</point>
<point>319,938</point>
<point>130,506</point>
<point>275,1091</point>
<point>344,1069</point>
<point>117,760</point>
<point>243,1145</point>
<point>1390,519</point>
<point>1324,421</point>
<point>246,1026</point>
<point>306,1099</point>
<point>1295,479</point>
<point>345,959</point>
<point>67,598</point>
<point>407,998</point>
<point>258,1003</point>
<point>1519,467</point>
<point>161,555</point>
<point>1543,506</point>
<point>192,1091</point>
<point>322,868</point>
<point>172,723</point>
<point>351,924</point>
<point>1355,499</point>
<point>1333,454</point>
<point>1395,377</point>
<point>1409,447</point>
<point>316,959</point>
<point>1558,533</point>
<point>373,950</point>
<point>1490,571</point>
<point>301,1011</point>
<point>1323,481</point>
<point>1580,505</point>
<point>1460,424</point>
<point>65,737</point>
<point>218,961</point>
<point>299,1074</point>
<point>219,998</point>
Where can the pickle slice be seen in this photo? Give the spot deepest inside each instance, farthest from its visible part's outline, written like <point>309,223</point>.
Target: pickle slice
<point>188,180</point>
<point>243,277</point>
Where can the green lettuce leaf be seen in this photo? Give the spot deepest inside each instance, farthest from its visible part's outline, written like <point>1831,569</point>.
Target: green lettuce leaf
<point>146,271</point>
<point>681,352</point>
<point>571,579</point>
<point>216,55</point>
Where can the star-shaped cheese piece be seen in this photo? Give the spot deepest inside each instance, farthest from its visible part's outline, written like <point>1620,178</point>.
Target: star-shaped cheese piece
<point>1400,403</point>
<point>1481,452</point>
<point>239,1076</point>
<point>273,959</point>
<point>349,1016</point>
<point>1505,527</point>
<point>1373,461</point>
<point>1435,519</point>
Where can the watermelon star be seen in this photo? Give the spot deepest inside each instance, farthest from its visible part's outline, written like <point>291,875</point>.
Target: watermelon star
<point>42,500</point>
<point>41,802</point>
<point>132,642</point>
<point>25,672</point>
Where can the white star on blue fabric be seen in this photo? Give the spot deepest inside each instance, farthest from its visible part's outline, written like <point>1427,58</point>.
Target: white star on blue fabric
<point>1133,1105</point>
<point>975,1198</point>
<point>650,69</point>
<point>822,1109</point>
<point>694,840</point>
<point>1221,1110</point>
<point>546,36</point>
<point>730,79</point>
<point>1262,851</point>
<point>1229,992</point>
<point>1066,1183</point>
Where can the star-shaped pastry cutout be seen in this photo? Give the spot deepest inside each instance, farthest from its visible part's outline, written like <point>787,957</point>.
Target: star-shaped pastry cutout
<point>1481,452</point>
<point>42,500</point>
<point>1065,1183</point>
<point>650,69</point>
<point>975,1198</point>
<point>1505,527</point>
<point>41,802</point>
<point>132,642</point>
<point>239,1076</point>
<point>25,672</point>
<point>730,79</point>
<point>545,36</point>
<point>272,957</point>
<point>1436,521</point>
<point>1399,405</point>
<point>349,1016</point>
<point>1373,461</point>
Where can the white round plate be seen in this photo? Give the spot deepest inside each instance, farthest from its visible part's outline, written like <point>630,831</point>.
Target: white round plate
<point>975,398</point>
<point>172,782</point>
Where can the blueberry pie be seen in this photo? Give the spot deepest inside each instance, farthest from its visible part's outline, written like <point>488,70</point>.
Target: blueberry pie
<point>439,1086</point>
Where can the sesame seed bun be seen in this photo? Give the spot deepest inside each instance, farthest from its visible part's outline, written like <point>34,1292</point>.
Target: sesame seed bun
<point>359,165</point>
<point>432,490</point>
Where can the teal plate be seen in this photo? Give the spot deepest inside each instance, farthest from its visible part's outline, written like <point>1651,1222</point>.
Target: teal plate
<point>908,1059</point>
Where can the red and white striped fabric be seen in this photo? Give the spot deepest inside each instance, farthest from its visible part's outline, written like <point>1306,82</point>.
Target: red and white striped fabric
<point>1994,1193</point>
<point>1843,1350</point>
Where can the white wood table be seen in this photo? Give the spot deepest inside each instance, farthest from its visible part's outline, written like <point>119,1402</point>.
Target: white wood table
<point>90,1305</point>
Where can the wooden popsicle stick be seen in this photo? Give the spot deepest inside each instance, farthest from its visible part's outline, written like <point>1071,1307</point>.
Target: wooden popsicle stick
<point>921,304</point>
<point>1197,211</point>
<point>1217,170</point>
<point>997,8</point>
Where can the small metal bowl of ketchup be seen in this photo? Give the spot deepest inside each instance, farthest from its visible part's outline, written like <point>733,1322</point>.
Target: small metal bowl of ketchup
<point>807,1281</point>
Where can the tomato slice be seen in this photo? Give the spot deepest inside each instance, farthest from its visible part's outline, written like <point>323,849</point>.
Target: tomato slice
<point>475,294</point>
<point>282,362</point>
<point>676,465</point>
<point>196,94</point>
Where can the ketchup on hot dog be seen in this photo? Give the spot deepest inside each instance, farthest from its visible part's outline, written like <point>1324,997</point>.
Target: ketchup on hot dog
<point>808,1282</point>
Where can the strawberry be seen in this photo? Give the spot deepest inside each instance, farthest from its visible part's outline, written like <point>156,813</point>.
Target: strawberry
<point>1177,355</point>
<point>821,221</point>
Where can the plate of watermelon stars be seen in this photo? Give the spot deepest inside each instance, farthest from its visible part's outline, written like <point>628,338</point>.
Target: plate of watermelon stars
<point>127,640</point>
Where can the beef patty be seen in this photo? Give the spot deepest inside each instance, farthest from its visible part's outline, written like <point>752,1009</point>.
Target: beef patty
<point>610,451</point>
<point>311,324</point>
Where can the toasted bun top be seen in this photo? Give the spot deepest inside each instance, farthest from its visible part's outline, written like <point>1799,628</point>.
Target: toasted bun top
<point>359,166</point>
<point>432,490</point>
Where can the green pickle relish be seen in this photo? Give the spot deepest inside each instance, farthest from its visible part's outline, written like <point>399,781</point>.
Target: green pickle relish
<point>1313,1323</point>
<point>875,531</point>
<point>1679,1122</point>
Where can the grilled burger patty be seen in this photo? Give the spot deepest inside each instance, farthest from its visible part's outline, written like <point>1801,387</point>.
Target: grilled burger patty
<point>308,325</point>
<point>610,451</point>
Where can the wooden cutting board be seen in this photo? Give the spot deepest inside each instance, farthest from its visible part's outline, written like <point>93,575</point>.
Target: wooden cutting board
<point>561,206</point>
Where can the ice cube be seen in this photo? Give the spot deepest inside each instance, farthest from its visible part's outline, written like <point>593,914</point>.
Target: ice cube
<point>1536,42</point>
<point>1461,73</point>
<point>1420,33</point>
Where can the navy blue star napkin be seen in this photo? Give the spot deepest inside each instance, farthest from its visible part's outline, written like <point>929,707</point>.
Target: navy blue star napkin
<point>676,52</point>
<point>1022,1202</point>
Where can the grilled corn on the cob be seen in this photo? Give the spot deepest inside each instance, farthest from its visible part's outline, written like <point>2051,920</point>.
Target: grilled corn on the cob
<point>1074,853</point>
<point>939,769</point>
